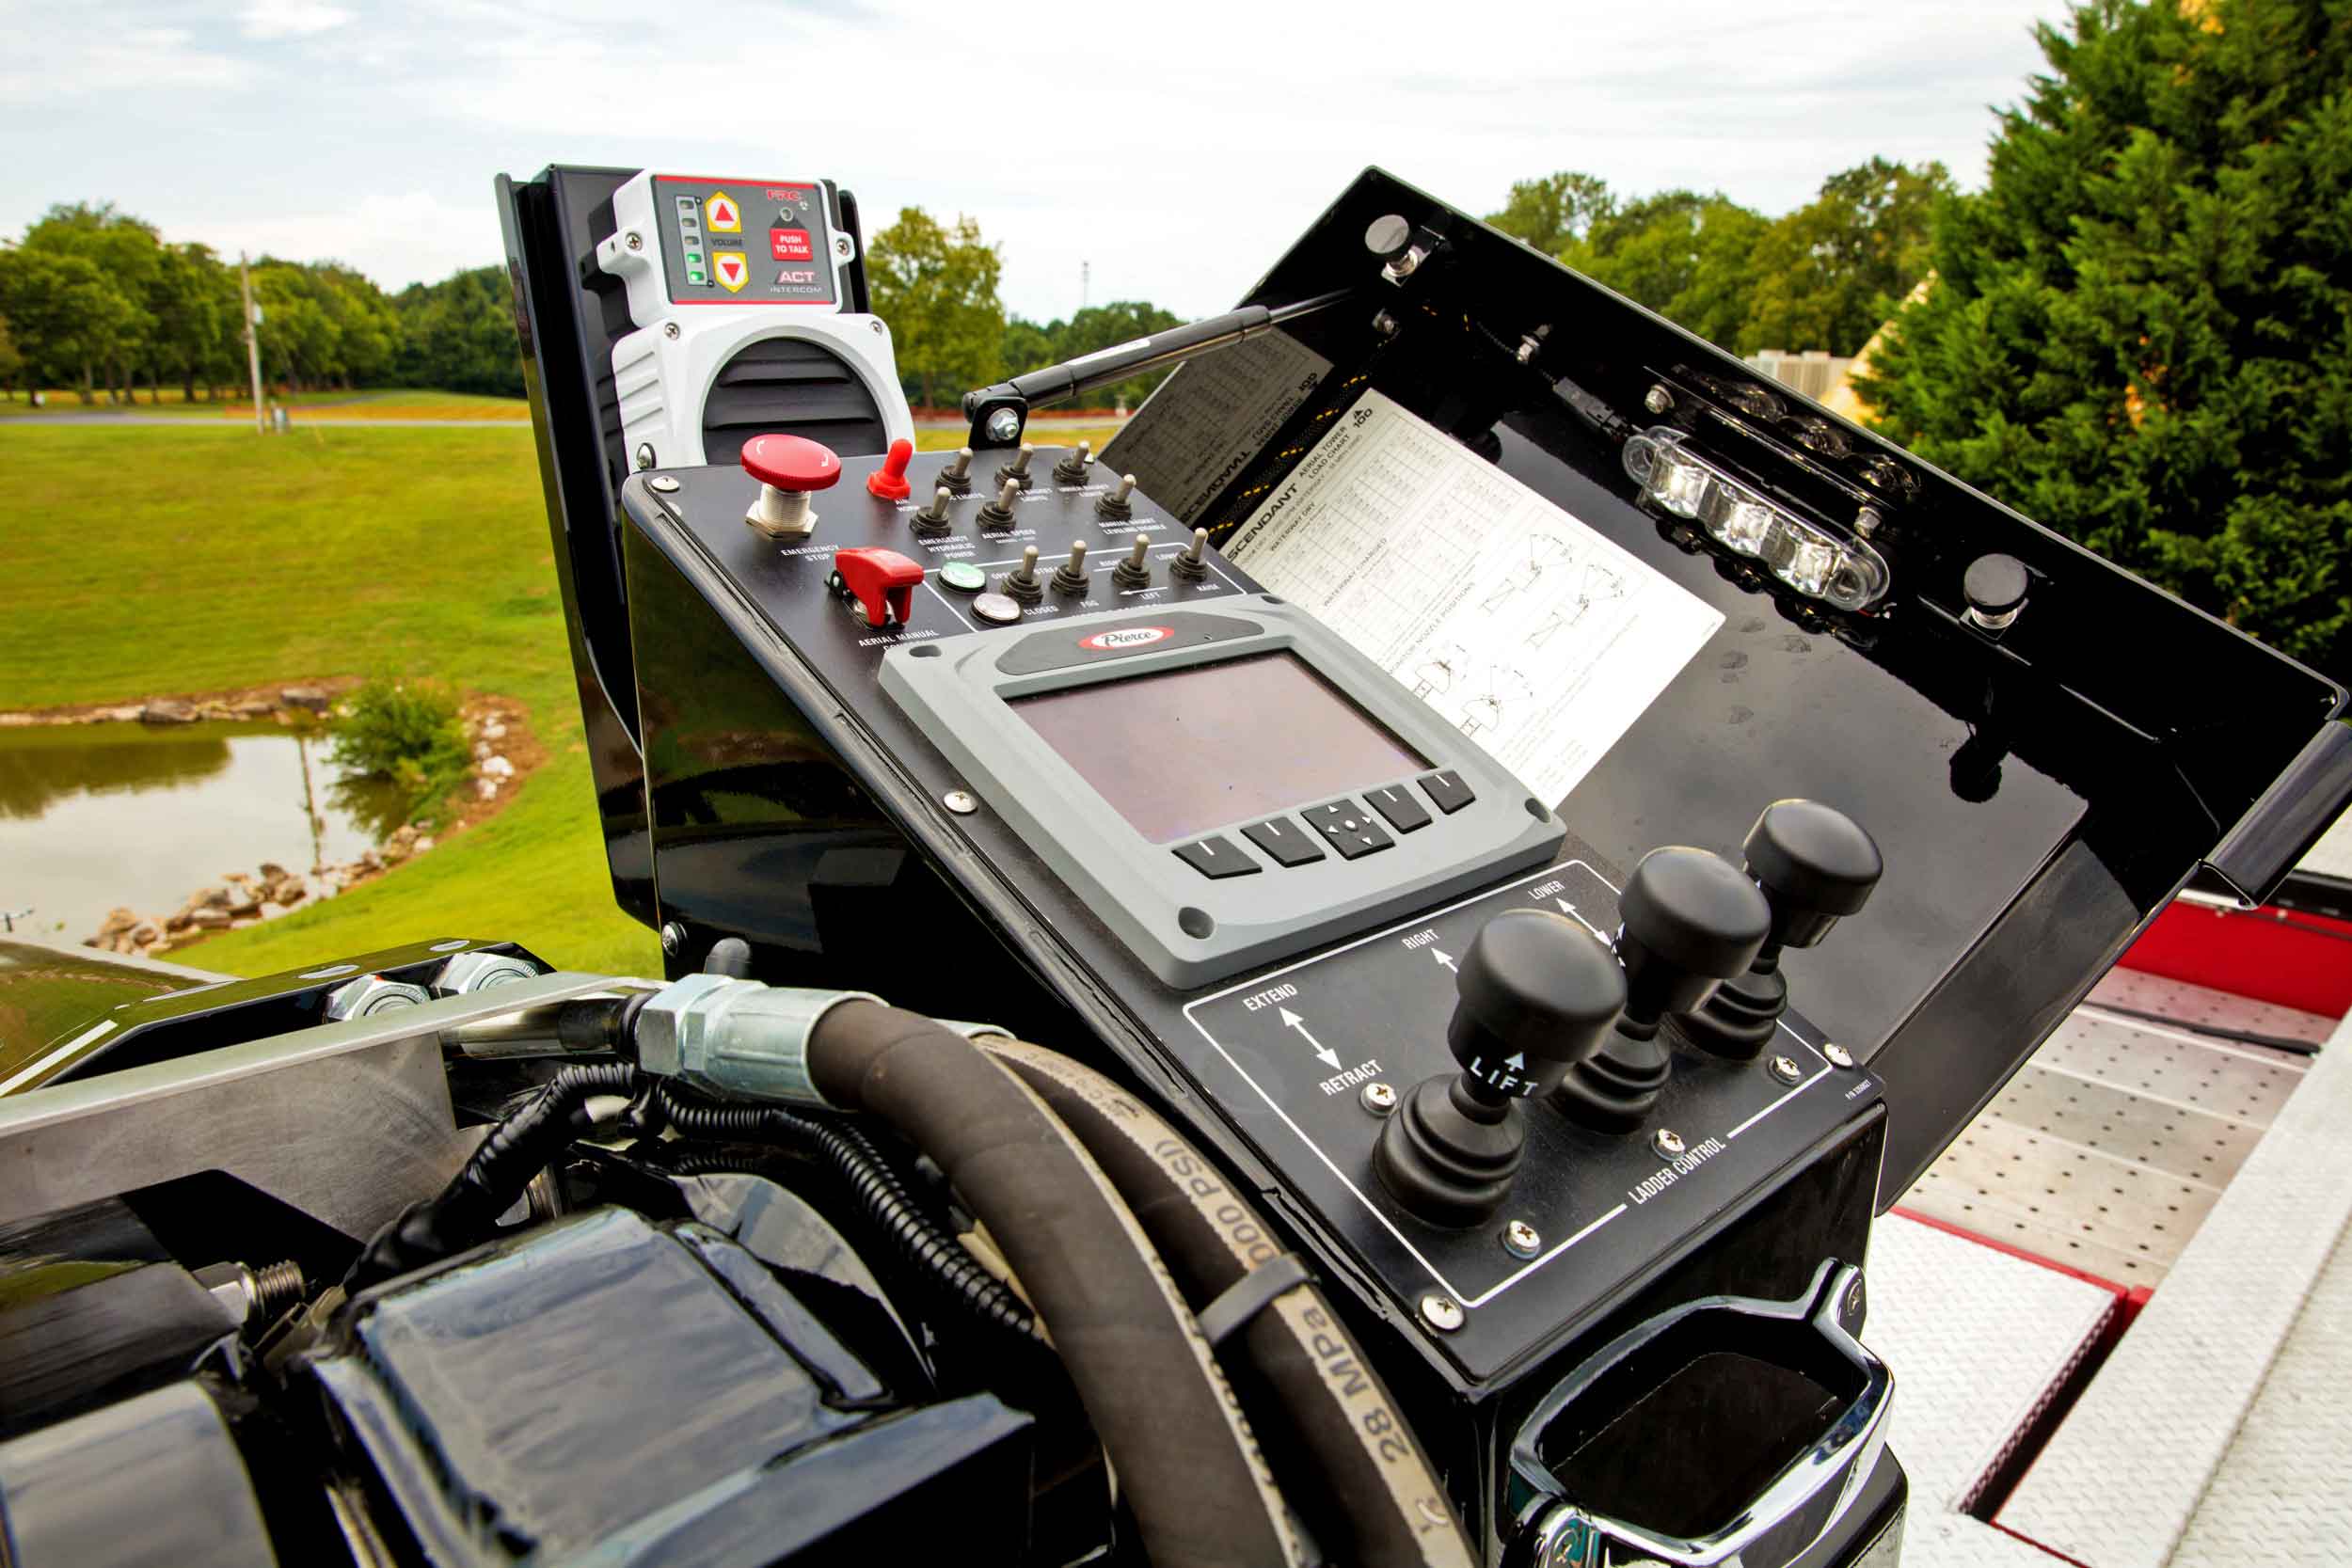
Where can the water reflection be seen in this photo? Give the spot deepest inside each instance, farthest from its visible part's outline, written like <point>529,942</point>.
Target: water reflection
<point>92,816</point>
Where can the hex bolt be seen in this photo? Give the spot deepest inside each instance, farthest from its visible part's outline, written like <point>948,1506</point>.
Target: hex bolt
<point>1115,504</point>
<point>1135,571</point>
<point>1659,401</point>
<point>957,475</point>
<point>1787,1071</point>
<point>933,520</point>
<point>1521,1240</point>
<point>1004,425</point>
<point>672,938</point>
<point>371,993</point>
<point>1838,1055</point>
<point>1072,469</point>
<point>1442,1313</point>
<point>1193,564</point>
<point>1022,583</point>
<point>1070,575</point>
<point>1667,1141</point>
<point>1377,1098</point>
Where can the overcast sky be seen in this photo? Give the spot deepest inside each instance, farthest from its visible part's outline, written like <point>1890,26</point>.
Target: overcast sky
<point>1177,148</point>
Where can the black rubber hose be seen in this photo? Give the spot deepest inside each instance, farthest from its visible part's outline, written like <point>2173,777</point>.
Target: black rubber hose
<point>1191,1468</point>
<point>464,1212</point>
<point>1373,1497</point>
<point>876,1189</point>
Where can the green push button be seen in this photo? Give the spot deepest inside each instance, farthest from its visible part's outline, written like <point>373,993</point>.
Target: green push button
<point>963,577</point>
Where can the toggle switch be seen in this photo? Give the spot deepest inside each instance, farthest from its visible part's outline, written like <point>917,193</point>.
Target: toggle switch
<point>789,469</point>
<point>1017,472</point>
<point>1073,469</point>
<point>1022,583</point>
<point>1194,564</point>
<point>998,512</point>
<point>1135,571</point>
<point>889,482</point>
<point>957,475</point>
<point>882,582</point>
<point>1070,575</point>
<point>1114,503</point>
<point>931,521</point>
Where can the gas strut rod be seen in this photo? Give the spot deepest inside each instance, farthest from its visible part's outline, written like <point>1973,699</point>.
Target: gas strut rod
<point>999,413</point>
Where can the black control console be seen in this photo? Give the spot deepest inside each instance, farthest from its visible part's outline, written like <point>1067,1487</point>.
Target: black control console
<point>1377,969</point>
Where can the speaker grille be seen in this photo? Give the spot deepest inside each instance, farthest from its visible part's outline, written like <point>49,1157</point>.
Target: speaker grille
<point>795,387</point>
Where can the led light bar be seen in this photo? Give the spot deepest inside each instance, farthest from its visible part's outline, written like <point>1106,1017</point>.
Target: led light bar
<point>1817,560</point>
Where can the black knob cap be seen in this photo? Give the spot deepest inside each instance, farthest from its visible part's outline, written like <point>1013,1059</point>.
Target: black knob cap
<point>1691,919</point>
<point>1537,994</point>
<point>1995,585</point>
<point>1815,864</point>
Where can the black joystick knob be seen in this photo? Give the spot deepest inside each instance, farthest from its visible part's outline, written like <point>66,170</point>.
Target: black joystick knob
<point>1689,920</point>
<point>1536,994</point>
<point>1814,865</point>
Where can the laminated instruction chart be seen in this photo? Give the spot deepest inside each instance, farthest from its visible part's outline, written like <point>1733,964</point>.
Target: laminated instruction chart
<point>1528,629</point>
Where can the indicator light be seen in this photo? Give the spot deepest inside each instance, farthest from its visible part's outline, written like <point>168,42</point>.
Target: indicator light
<point>1817,558</point>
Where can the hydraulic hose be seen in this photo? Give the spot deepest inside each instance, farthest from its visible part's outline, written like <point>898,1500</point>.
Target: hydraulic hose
<point>492,1180</point>
<point>1185,1454</point>
<point>876,1188</point>
<point>1374,1497</point>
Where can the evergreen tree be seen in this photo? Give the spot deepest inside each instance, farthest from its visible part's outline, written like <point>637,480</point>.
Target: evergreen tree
<point>2141,330</point>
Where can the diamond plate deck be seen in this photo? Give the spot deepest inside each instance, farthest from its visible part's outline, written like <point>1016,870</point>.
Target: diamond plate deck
<point>2118,1484</point>
<point>1977,1338</point>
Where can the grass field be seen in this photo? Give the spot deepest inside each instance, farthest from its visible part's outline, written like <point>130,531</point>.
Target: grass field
<point>145,561</point>
<point>398,402</point>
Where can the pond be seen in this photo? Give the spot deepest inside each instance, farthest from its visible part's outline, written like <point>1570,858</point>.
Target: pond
<point>96,815</point>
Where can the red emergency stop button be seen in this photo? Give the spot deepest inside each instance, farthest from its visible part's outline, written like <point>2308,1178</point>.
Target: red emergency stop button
<point>882,582</point>
<point>789,468</point>
<point>889,482</point>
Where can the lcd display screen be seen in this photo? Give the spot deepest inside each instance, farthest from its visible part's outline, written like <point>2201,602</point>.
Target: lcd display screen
<point>1185,750</point>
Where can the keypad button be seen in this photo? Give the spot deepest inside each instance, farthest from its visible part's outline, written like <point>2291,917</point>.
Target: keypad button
<point>1217,857</point>
<point>1398,806</point>
<point>1348,828</point>
<point>1284,840</point>
<point>1446,790</point>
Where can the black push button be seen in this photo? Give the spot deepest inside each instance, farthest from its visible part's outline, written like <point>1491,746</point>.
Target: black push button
<point>1403,812</point>
<point>1217,857</point>
<point>1348,828</point>
<point>1283,839</point>
<point>1446,790</point>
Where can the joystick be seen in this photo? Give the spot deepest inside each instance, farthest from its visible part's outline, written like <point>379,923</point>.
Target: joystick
<point>1535,994</point>
<point>1689,919</point>
<point>1813,864</point>
<point>789,468</point>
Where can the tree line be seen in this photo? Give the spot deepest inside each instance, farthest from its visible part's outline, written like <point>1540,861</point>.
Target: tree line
<point>96,300</point>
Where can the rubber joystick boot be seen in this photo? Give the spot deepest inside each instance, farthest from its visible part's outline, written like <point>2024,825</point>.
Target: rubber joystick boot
<point>1535,995</point>
<point>1689,920</point>
<point>1814,865</point>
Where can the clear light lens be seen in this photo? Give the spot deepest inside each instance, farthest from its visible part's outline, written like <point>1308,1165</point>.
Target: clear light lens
<point>1814,559</point>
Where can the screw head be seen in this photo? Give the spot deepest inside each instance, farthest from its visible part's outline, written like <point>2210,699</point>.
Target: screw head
<point>877,324</point>
<point>1442,1313</point>
<point>1786,1069</point>
<point>1003,425</point>
<point>666,484</point>
<point>645,454</point>
<point>1521,1240</point>
<point>960,802</point>
<point>841,245</point>
<point>1668,1142</point>
<point>1384,323</point>
<point>1377,1098</point>
<point>634,241</point>
<point>669,330</point>
<point>1838,1056</point>
<point>672,938</point>
<point>1659,401</point>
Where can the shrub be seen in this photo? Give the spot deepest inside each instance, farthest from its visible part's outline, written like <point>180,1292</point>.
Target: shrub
<point>407,732</point>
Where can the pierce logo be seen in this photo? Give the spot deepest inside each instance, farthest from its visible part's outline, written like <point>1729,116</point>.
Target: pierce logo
<point>1126,637</point>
